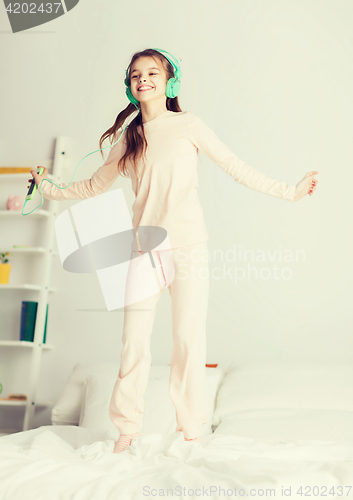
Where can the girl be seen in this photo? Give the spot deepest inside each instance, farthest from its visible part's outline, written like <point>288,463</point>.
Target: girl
<point>159,153</point>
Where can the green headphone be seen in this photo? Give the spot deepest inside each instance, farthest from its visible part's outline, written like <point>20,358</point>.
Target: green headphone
<point>173,84</point>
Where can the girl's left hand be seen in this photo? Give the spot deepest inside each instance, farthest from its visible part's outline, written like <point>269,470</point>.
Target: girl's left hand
<point>306,186</point>
<point>38,178</point>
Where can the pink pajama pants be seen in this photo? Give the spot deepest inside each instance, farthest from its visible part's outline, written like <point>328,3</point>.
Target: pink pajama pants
<point>189,292</point>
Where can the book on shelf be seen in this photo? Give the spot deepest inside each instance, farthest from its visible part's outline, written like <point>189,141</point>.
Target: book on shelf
<point>28,320</point>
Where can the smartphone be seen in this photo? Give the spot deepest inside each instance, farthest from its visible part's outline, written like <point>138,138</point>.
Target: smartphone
<point>33,186</point>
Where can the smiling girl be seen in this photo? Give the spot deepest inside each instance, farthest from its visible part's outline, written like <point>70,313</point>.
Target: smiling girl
<point>159,152</point>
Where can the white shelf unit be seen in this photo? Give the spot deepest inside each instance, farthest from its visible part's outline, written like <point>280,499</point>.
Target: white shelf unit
<point>42,289</point>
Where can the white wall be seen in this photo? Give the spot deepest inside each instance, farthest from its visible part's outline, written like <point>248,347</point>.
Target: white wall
<point>273,81</point>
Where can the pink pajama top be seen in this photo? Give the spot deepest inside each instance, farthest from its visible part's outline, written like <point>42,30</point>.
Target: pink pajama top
<point>166,187</point>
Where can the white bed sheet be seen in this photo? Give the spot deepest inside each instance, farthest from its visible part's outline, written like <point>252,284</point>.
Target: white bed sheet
<point>276,425</point>
<point>70,462</point>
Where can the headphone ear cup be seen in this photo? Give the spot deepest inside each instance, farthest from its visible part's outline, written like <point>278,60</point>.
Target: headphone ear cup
<point>130,96</point>
<point>173,87</point>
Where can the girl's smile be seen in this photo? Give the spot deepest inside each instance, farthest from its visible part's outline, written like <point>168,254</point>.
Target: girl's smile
<point>148,80</point>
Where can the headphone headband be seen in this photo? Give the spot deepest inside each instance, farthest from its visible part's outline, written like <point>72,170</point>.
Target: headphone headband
<point>175,64</point>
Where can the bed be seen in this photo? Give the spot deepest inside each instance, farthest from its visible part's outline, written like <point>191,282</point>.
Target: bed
<point>275,430</point>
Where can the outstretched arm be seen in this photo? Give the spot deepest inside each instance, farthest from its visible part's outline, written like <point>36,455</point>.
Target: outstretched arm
<point>206,140</point>
<point>100,181</point>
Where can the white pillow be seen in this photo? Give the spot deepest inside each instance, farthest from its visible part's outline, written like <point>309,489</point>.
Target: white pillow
<point>284,386</point>
<point>68,406</point>
<point>159,414</point>
<point>277,426</point>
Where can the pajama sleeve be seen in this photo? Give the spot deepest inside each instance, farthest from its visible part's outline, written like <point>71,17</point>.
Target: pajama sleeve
<point>206,140</point>
<point>100,181</point>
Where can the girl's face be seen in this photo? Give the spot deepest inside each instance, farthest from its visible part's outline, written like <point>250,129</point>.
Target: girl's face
<point>150,75</point>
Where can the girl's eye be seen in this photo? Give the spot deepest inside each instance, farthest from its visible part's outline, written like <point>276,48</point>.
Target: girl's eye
<point>150,74</point>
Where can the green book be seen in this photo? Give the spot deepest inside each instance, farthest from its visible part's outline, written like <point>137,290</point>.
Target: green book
<point>28,320</point>
<point>45,328</point>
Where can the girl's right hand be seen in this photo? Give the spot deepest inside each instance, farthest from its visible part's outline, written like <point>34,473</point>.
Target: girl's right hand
<point>38,178</point>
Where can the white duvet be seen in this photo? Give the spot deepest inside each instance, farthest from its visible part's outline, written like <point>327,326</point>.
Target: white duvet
<point>70,462</point>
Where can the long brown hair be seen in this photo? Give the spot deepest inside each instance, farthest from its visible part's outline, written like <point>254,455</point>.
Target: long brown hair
<point>136,143</point>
